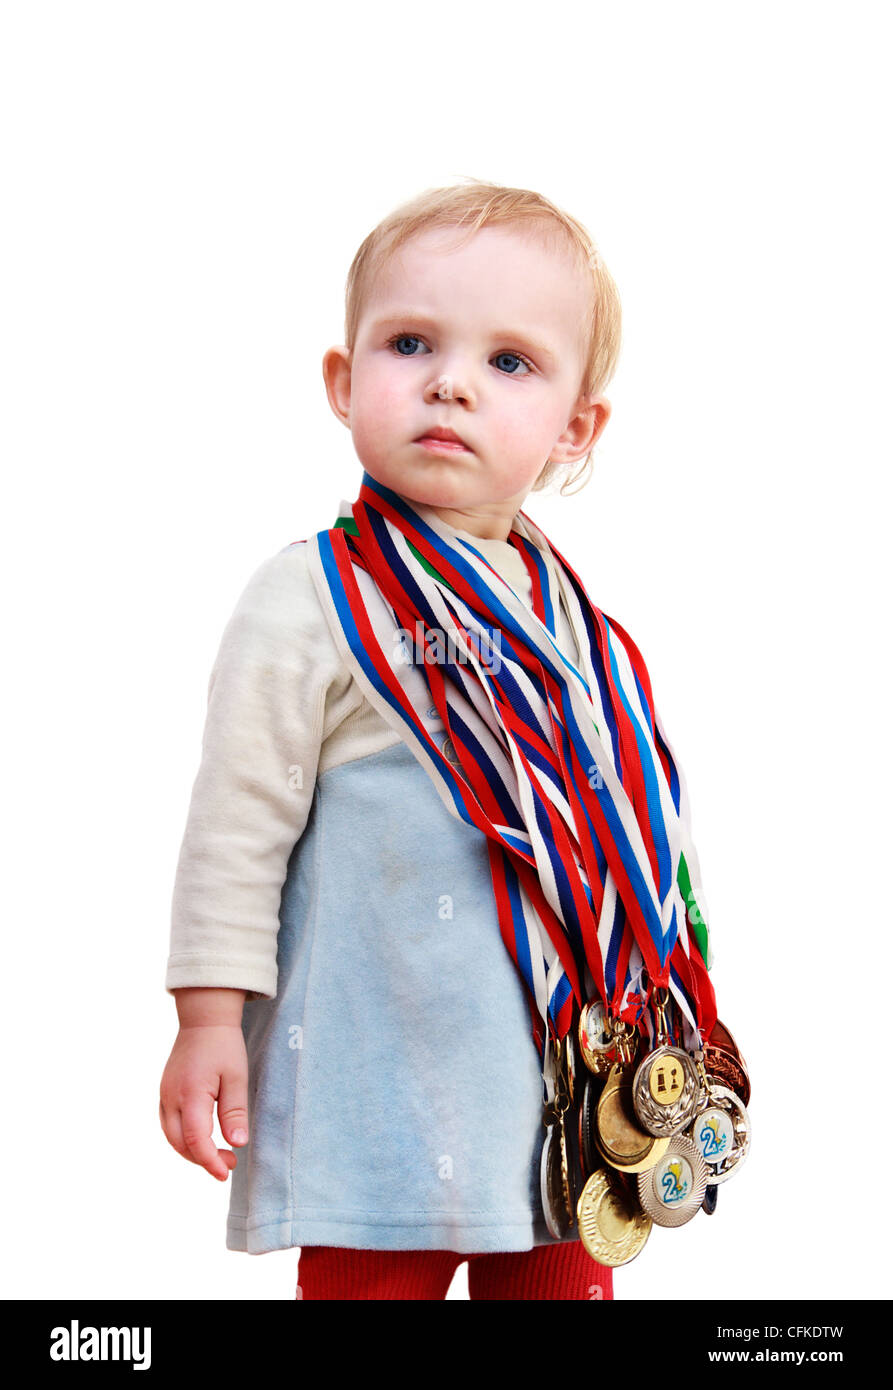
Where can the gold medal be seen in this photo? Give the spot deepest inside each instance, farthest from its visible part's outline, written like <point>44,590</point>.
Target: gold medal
<point>619,1137</point>
<point>555,1190</point>
<point>564,1166</point>
<point>595,1036</point>
<point>570,1063</point>
<point>612,1228</point>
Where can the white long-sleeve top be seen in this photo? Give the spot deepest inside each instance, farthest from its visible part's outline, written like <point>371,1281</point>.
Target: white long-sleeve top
<point>395,1092</point>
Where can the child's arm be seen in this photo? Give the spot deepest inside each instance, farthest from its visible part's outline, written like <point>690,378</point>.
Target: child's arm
<point>207,1065</point>
<point>250,803</point>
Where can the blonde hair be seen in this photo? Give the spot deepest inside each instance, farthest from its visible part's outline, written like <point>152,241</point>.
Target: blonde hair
<point>478,204</point>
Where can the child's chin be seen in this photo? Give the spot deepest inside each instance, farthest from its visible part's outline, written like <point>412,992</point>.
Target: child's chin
<point>432,482</point>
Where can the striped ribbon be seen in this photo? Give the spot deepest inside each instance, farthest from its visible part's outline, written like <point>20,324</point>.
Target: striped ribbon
<point>558,757</point>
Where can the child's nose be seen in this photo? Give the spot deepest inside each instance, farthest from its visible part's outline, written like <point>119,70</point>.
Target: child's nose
<point>449,386</point>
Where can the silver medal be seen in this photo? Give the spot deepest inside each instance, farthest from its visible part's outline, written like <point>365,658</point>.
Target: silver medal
<point>666,1091</point>
<point>721,1131</point>
<point>672,1191</point>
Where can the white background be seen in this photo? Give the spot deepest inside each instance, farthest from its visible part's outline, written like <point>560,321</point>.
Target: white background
<point>185,185</point>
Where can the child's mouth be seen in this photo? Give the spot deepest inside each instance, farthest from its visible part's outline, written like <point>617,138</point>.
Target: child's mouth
<point>442,446</point>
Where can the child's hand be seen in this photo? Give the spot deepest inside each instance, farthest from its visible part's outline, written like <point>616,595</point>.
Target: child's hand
<point>208,1063</point>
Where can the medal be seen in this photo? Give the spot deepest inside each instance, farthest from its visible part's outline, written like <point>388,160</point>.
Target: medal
<point>595,1036</point>
<point>729,1070</point>
<point>723,1058</point>
<point>611,1227</point>
<point>595,879</point>
<point>590,1158</point>
<point>576,1175</point>
<point>666,1091</point>
<point>555,1179</point>
<point>666,1087</point>
<point>721,1132</point>
<point>672,1191</point>
<point>619,1137</point>
<point>553,1184</point>
<point>721,1037</point>
<point>570,1063</point>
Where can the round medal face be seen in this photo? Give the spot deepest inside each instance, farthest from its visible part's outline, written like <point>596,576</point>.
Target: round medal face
<point>552,1188</point>
<point>619,1137</point>
<point>612,1229</point>
<point>666,1091</point>
<point>721,1132</point>
<point>595,1036</point>
<point>714,1135</point>
<point>672,1191</point>
<point>666,1080</point>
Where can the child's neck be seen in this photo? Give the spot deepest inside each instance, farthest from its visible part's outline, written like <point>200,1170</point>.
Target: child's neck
<point>493,524</point>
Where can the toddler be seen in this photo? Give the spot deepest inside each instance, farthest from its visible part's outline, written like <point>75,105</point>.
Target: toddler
<point>409,858</point>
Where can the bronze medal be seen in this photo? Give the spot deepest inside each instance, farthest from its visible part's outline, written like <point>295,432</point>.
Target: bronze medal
<point>729,1070</point>
<point>721,1037</point>
<point>722,1057</point>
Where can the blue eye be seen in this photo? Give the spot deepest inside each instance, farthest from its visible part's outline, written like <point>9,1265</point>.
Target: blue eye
<point>512,357</point>
<point>405,343</point>
<point>399,338</point>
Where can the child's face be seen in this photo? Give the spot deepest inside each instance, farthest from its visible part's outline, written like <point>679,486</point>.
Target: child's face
<point>486,340</point>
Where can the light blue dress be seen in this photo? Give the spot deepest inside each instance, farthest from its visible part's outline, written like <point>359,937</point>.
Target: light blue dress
<point>396,1094</point>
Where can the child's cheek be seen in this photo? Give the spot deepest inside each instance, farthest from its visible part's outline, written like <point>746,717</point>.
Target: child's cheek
<point>518,432</point>
<point>382,392</point>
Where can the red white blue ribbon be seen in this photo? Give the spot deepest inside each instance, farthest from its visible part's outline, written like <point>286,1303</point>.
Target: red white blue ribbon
<point>559,757</point>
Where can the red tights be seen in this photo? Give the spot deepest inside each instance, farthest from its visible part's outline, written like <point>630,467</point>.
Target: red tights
<point>557,1271</point>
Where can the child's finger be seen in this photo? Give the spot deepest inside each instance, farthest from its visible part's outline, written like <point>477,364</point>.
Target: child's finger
<point>197,1119</point>
<point>232,1112</point>
<point>173,1130</point>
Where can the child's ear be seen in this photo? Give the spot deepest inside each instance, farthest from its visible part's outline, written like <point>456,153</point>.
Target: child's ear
<point>583,429</point>
<point>601,408</point>
<point>336,365</point>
